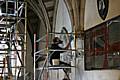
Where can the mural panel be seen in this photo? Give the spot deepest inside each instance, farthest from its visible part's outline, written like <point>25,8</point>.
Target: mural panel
<point>102,46</point>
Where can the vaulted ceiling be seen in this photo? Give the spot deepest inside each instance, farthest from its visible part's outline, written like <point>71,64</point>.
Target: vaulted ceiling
<point>40,11</point>
<point>44,12</point>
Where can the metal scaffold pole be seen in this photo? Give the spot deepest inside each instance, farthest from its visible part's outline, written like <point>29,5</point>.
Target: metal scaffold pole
<point>13,52</point>
<point>25,40</point>
<point>44,70</point>
<point>34,54</point>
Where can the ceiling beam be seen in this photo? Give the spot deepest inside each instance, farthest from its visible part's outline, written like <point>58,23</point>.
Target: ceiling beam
<point>50,8</point>
<point>46,0</point>
<point>49,4</point>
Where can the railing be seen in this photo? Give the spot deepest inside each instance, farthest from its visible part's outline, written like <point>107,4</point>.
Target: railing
<point>45,52</point>
<point>13,63</point>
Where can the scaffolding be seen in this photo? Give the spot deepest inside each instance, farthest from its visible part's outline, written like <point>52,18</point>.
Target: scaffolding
<point>45,71</point>
<point>13,26</point>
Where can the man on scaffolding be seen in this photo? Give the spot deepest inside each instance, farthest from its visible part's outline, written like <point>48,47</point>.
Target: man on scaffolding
<point>54,57</point>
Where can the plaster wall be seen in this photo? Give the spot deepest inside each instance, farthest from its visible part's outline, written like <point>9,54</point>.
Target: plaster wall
<point>79,74</point>
<point>63,18</point>
<point>29,59</point>
<point>92,17</point>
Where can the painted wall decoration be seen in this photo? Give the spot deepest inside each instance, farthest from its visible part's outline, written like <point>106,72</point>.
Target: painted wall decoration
<point>99,11</point>
<point>64,36</point>
<point>102,6</point>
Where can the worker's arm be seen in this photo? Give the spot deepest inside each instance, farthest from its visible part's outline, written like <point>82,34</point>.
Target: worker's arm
<point>70,39</point>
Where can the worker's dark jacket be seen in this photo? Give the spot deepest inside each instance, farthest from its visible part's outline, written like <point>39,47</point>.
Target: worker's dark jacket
<point>55,54</point>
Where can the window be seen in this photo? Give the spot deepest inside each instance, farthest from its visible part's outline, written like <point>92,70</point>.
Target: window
<point>102,46</point>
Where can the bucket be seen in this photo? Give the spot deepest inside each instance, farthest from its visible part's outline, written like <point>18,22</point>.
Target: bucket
<point>55,61</point>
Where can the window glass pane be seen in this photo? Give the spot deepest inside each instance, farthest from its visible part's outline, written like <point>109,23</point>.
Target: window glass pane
<point>102,46</point>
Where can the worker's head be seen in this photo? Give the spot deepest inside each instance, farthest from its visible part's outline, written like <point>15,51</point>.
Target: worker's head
<point>57,40</point>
